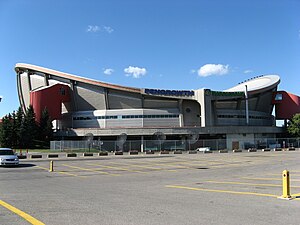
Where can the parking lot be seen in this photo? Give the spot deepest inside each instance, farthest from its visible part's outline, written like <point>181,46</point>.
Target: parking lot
<point>231,188</point>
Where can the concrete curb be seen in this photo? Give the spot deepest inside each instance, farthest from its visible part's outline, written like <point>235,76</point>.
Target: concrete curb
<point>177,152</point>
<point>103,154</point>
<point>206,152</point>
<point>192,152</point>
<point>252,150</point>
<point>237,150</point>
<point>118,153</point>
<point>223,151</point>
<point>36,156</point>
<point>134,153</point>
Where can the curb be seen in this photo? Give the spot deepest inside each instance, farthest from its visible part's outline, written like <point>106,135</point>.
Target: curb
<point>237,150</point>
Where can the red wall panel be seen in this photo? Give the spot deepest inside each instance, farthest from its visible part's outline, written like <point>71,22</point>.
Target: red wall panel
<point>288,106</point>
<point>50,98</point>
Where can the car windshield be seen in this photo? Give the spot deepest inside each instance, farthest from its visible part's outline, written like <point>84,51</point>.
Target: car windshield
<point>6,152</point>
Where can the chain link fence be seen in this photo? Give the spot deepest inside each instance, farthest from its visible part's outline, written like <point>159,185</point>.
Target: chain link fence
<point>170,145</point>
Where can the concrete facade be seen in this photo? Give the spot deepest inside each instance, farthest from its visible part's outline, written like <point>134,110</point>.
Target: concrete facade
<point>108,110</point>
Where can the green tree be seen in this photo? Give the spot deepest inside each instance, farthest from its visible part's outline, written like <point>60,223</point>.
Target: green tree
<point>18,122</point>
<point>45,127</point>
<point>20,130</point>
<point>294,126</point>
<point>14,130</point>
<point>29,129</point>
<point>6,131</point>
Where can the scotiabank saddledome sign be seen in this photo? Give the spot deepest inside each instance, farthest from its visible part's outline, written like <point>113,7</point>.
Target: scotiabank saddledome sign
<point>169,92</point>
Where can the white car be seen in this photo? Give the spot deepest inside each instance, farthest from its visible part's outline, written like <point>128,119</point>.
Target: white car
<point>8,157</point>
<point>203,149</point>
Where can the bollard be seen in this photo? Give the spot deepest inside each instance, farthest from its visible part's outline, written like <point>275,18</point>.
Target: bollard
<point>51,166</point>
<point>286,194</point>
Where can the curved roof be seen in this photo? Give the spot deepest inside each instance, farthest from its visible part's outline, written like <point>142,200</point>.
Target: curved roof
<point>260,83</point>
<point>24,66</point>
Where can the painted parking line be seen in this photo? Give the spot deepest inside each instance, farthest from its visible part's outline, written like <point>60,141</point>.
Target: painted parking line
<point>20,213</point>
<point>91,170</point>
<point>220,191</point>
<point>166,164</point>
<point>296,196</point>
<point>145,167</point>
<point>116,168</point>
<point>261,178</point>
<point>247,184</point>
<point>61,172</point>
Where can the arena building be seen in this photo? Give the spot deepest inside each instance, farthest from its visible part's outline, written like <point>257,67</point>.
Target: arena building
<point>81,106</point>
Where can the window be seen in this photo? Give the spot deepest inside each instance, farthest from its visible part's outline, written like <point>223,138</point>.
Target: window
<point>278,97</point>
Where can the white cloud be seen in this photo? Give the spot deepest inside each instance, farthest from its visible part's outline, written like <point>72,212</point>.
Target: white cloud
<point>93,28</point>
<point>108,71</point>
<point>135,72</point>
<point>248,71</point>
<point>213,69</point>
<point>108,29</point>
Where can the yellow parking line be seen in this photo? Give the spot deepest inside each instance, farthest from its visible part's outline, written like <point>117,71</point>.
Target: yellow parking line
<point>250,184</point>
<point>92,170</point>
<point>22,214</point>
<point>296,196</point>
<point>168,163</point>
<point>250,178</point>
<point>146,167</point>
<point>220,191</point>
<point>116,168</point>
<point>171,165</point>
<point>61,172</point>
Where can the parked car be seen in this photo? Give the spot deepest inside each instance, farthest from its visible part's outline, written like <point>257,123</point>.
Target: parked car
<point>8,157</point>
<point>203,149</point>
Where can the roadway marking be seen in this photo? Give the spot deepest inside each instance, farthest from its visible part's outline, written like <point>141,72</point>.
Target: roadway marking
<point>146,167</point>
<point>61,172</point>
<point>92,170</point>
<point>20,213</point>
<point>116,168</point>
<point>296,196</point>
<point>250,178</point>
<point>250,184</point>
<point>221,191</point>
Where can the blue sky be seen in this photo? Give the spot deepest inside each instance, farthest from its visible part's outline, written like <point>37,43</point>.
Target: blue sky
<point>172,44</point>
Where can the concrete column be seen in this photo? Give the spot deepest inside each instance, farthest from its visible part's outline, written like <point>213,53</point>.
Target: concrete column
<point>142,143</point>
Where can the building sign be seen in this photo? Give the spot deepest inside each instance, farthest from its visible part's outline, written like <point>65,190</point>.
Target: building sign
<point>169,92</point>
<point>224,93</point>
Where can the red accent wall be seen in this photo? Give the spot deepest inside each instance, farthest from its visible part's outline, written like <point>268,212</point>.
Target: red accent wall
<point>50,98</point>
<point>288,106</point>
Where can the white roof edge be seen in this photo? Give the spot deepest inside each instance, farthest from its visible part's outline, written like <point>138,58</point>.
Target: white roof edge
<point>256,83</point>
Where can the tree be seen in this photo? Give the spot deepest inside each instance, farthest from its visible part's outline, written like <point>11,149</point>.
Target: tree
<point>18,122</point>
<point>6,131</point>
<point>45,127</point>
<point>20,130</point>
<point>14,130</point>
<point>29,129</point>
<point>294,126</point>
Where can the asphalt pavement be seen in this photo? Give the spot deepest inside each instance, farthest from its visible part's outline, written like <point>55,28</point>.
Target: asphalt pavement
<point>232,188</point>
